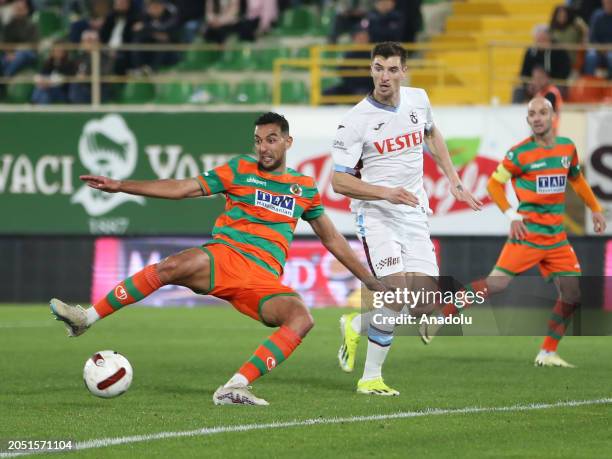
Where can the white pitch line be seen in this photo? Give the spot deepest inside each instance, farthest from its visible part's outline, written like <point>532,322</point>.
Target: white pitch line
<point>105,442</point>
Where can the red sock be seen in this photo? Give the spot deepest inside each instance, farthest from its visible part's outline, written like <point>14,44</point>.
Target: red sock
<point>129,291</point>
<point>277,348</point>
<point>477,287</point>
<point>557,324</point>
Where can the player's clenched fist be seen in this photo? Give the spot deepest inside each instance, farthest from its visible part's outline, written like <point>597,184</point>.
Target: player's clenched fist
<point>101,183</point>
<point>399,195</point>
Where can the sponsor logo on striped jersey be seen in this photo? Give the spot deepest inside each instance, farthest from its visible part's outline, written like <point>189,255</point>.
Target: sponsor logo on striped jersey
<point>256,181</point>
<point>549,184</point>
<point>283,205</point>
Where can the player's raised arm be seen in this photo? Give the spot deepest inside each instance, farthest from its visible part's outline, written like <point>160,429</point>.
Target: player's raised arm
<point>340,248</point>
<point>439,151</point>
<point>167,188</point>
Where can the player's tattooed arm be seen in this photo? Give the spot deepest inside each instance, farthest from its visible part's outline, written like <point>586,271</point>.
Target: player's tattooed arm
<point>439,151</point>
<point>167,188</point>
<point>347,185</point>
<point>340,248</point>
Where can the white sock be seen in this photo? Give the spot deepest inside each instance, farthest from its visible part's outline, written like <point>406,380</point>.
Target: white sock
<point>380,336</point>
<point>92,315</point>
<point>237,380</point>
<point>360,322</point>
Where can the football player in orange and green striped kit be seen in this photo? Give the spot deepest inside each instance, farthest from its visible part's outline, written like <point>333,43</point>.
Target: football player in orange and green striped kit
<point>244,260</point>
<point>539,167</point>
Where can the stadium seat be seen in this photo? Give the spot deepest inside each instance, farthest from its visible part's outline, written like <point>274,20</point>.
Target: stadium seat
<point>264,58</point>
<point>212,92</point>
<point>296,21</point>
<point>587,89</point>
<point>19,93</point>
<point>137,93</point>
<point>199,59</point>
<point>326,21</point>
<point>294,92</point>
<point>236,59</point>
<point>173,93</point>
<point>50,22</point>
<point>251,92</point>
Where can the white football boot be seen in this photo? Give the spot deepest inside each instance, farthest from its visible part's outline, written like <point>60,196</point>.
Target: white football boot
<point>236,395</point>
<point>74,317</point>
<point>551,359</point>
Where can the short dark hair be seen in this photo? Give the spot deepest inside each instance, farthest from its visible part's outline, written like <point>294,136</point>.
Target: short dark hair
<point>273,118</point>
<point>388,49</point>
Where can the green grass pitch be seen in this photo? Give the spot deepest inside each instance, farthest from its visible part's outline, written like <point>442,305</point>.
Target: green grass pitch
<point>180,356</point>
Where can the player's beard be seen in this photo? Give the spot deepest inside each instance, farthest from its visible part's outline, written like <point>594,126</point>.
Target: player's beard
<point>275,165</point>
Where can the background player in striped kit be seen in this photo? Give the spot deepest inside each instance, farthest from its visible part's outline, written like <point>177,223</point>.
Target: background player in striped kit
<point>378,161</point>
<point>539,168</point>
<point>243,262</point>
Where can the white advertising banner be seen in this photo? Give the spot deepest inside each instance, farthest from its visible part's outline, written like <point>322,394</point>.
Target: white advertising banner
<point>478,138</point>
<point>598,163</point>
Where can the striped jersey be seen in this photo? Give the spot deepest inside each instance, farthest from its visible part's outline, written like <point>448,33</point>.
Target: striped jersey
<point>539,178</point>
<point>262,209</point>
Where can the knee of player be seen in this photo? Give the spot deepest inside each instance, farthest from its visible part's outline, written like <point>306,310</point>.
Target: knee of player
<point>303,321</point>
<point>168,269</point>
<point>571,296</point>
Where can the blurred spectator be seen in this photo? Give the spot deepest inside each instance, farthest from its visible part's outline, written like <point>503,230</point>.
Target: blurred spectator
<point>80,93</point>
<point>585,8</point>
<point>20,29</point>
<point>385,23</point>
<point>6,12</point>
<point>410,11</point>
<point>118,30</point>
<point>349,13</point>
<point>222,17</point>
<point>542,86</point>
<point>556,62</point>
<point>158,25</point>
<point>191,17</point>
<point>51,87</point>
<point>242,17</point>
<point>258,17</point>
<point>360,85</point>
<point>94,20</point>
<point>568,28</point>
<point>601,34</point>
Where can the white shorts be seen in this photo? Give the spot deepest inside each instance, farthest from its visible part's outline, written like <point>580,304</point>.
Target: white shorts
<point>397,246</point>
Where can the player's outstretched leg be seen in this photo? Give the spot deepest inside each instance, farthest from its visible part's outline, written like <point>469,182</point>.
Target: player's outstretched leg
<point>288,312</point>
<point>190,267</point>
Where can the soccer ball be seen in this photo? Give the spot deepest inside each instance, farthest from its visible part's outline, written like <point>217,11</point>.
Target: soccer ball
<point>107,374</point>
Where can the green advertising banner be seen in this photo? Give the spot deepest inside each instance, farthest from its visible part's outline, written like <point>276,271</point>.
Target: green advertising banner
<point>42,155</point>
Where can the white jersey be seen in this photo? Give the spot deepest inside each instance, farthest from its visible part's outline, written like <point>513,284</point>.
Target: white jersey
<point>383,145</point>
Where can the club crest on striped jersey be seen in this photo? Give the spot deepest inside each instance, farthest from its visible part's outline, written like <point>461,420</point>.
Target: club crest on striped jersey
<point>550,184</point>
<point>565,162</point>
<point>296,189</point>
<point>283,204</point>
<point>120,293</point>
<point>270,363</point>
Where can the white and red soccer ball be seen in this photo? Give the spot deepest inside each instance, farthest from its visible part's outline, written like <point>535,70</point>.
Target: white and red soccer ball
<point>107,374</point>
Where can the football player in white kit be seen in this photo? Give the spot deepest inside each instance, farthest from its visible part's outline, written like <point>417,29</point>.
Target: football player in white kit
<point>378,163</point>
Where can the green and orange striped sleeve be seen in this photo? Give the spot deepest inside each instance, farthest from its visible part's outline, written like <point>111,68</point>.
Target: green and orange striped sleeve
<point>315,210</point>
<point>217,180</point>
